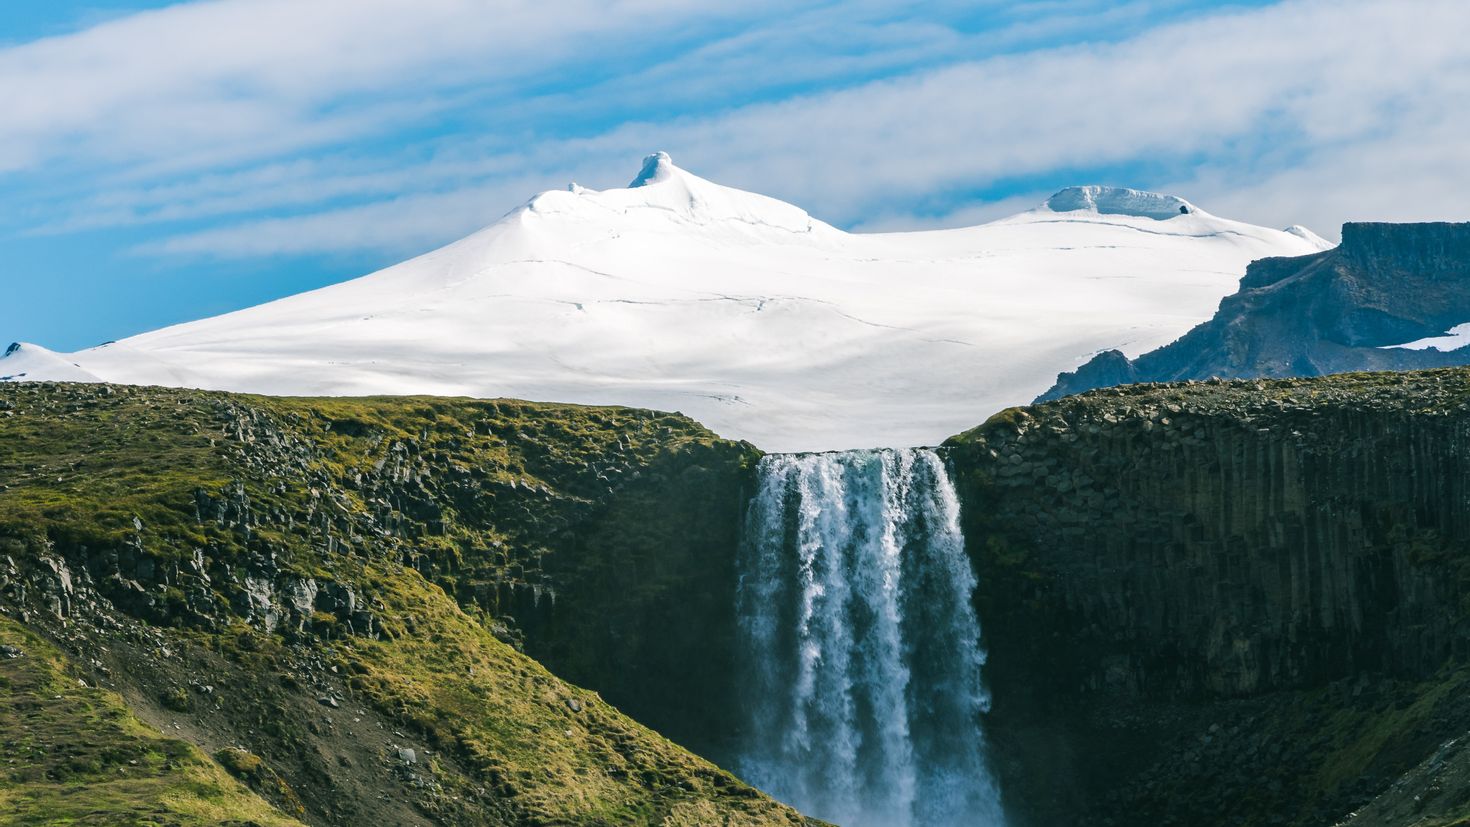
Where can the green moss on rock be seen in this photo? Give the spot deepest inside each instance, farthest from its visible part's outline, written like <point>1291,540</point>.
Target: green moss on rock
<point>75,754</point>
<point>407,543</point>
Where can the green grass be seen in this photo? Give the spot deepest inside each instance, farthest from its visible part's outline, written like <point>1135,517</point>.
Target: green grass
<point>471,494</point>
<point>1359,738</point>
<point>80,464</point>
<point>74,754</point>
<point>515,724</point>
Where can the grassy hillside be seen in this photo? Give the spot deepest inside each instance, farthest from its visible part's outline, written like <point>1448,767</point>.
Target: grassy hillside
<point>75,754</point>
<point>328,595</point>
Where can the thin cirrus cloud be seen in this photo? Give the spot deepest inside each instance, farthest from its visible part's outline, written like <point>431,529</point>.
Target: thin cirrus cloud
<point>228,79</point>
<point>1308,112</point>
<point>410,222</point>
<point>292,128</point>
<point>1287,94</point>
<point>133,111</point>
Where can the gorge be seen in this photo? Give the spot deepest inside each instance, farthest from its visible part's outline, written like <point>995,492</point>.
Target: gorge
<point>1203,603</point>
<point>860,649</point>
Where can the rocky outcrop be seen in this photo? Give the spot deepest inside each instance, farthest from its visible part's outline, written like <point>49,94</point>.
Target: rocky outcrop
<point>570,527</point>
<point>1240,559</point>
<point>346,569</point>
<point>1331,312</point>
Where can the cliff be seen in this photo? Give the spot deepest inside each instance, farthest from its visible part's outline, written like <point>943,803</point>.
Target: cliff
<point>1207,603</point>
<point>329,598</point>
<point>1225,602</point>
<point>1330,312</point>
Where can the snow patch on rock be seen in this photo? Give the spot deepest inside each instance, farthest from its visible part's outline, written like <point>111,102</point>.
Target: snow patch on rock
<point>1120,201</point>
<point>1453,339</point>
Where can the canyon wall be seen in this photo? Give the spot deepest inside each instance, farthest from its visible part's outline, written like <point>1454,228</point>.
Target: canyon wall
<point>1156,559</point>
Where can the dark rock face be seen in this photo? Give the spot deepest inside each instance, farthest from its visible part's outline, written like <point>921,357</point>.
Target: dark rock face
<point>1178,580</point>
<point>1313,315</point>
<point>644,607</point>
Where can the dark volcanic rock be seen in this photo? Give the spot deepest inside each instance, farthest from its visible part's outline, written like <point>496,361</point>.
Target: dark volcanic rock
<point>1223,602</point>
<point>1330,312</point>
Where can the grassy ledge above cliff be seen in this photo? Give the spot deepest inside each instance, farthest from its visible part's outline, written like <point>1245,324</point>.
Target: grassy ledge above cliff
<point>328,594</point>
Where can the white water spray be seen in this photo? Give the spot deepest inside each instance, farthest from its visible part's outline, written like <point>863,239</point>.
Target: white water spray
<point>861,650</point>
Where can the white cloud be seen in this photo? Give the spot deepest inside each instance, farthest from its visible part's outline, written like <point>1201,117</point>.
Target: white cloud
<point>1417,170</point>
<point>1308,111</point>
<point>1307,80</point>
<point>399,226</point>
<point>967,214</point>
<point>293,184</point>
<point>228,79</point>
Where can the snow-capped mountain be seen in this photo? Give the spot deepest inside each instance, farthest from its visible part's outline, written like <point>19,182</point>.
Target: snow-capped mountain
<point>740,310</point>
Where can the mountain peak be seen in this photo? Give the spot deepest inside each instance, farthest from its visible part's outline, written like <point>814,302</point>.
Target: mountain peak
<point>679,293</point>
<point>663,192</point>
<point>656,167</point>
<point>1120,201</point>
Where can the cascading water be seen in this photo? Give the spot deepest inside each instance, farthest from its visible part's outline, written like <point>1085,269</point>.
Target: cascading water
<point>860,644</point>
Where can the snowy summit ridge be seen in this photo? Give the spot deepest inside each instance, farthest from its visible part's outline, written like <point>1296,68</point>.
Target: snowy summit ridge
<point>656,167</point>
<point>740,310</point>
<point>685,197</point>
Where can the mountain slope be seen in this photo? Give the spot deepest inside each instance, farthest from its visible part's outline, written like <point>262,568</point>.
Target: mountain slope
<point>324,594</point>
<point>745,312</point>
<point>64,735</point>
<point>1392,297</point>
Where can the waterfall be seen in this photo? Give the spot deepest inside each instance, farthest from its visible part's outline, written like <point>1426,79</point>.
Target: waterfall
<point>860,647</point>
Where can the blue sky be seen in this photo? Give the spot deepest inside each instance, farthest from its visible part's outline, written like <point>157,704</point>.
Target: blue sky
<point>166,161</point>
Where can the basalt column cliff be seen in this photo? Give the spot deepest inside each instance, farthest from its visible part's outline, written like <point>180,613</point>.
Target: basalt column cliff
<point>1226,603</point>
